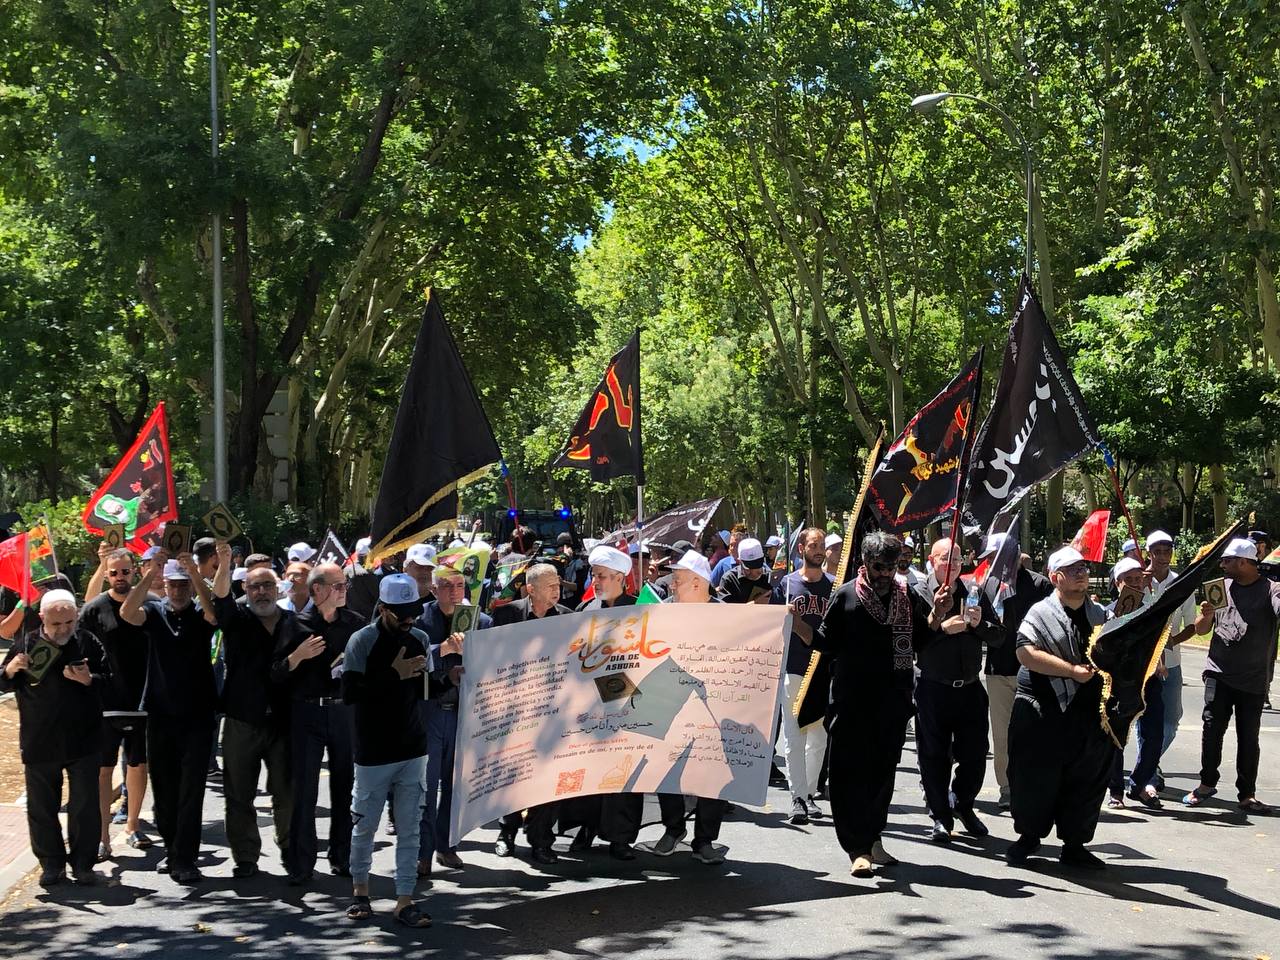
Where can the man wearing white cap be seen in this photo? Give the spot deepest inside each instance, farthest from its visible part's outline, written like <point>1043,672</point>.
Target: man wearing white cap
<point>294,582</point>
<point>730,560</point>
<point>1059,756</point>
<point>748,582</point>
<point>420,563</point>
<point>55,674</point>
<point>180,701</point>
<point>301,551</point>
<point>1235,673</point>
<point>834,545</point>
<point>1181,626</point>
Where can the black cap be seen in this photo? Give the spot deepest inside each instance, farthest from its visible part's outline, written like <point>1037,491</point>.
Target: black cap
<point>1258,536</point>
<point>681,547</point>
<point>564,539</point>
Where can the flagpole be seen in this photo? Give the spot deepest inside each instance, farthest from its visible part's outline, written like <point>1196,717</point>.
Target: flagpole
<point>640,534</point>
<point>1124,507</point>
<point>970,434</point>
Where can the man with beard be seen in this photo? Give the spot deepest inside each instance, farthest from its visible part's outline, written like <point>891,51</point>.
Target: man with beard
<point>180,701</point>
<point>256,731</point>
<point>319,721</point>
<point>125,723</point>
<point>951,723</point>
<point>871,631</point>
<point>60,732</point>
<point>807,592</point>
<point>543,583</point>
<point>382,677</point>
<point>1059,755</point>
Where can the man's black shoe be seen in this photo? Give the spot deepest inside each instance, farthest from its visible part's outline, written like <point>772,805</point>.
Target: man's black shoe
<point>51,878</point>
<point>543,855</point>
<point>621,851</point>
<point>972,825</point>
<point>1076,855</point>
<point>1020,850</point>
<point>243,871</point>
<point>940,832</point>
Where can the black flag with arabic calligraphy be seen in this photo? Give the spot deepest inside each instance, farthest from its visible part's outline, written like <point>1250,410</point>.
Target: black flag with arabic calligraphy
<point>606,437</point>
<point>919,478</point>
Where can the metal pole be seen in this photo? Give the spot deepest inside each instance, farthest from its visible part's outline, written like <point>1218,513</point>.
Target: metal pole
<point>219,375</point>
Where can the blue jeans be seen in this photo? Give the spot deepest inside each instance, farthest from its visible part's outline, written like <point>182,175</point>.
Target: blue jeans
<point>442,737</point>
<point>403,780</point>
<point>1172,705</point>
<point>1149,729</point>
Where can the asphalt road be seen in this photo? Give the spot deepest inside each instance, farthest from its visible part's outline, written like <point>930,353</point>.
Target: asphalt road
<point>1181,885</point>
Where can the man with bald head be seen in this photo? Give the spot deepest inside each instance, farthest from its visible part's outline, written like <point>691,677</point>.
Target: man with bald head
<point>55,674</point>
<point>307,668</point>
<point>951,726</point>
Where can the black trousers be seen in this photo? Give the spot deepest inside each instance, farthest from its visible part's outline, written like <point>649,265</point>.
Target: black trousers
<point>620,816</point>
<point>708,814</point>
<point>1149,729</point>
<point>178,755</point>
<point>84,820</point>
<point>1059,765</point>
<point>865,746</point>
<point>313,730</point>
<point>951,725</point>
<point>246,749</point>
<point>1220,700</point>
<point>539,825</point>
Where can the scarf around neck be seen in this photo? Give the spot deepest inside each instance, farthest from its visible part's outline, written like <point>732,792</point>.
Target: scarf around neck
<point>897,617</point>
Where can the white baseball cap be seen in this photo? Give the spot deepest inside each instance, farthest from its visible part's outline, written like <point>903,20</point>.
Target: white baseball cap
<point>773,541</point>
<point>994,543</point>
<point>301,551</point>
<point>751,553</point>
<point>1128,545</point>
<point>697,564</point>
<point>238,574</point>
<point>833,539</point>
<point>1063,558</point>
<point>610,558</point>
<point>173,570</point>
<point>1241,548</point>
<point>1124,566</point>
<point>1158,536</point>
<point>363,546</point>
<point>423,554</point>
<point>55,597</point>
<point>399,590</point>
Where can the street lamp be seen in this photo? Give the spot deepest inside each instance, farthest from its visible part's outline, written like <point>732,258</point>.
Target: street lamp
<point>927,103</point>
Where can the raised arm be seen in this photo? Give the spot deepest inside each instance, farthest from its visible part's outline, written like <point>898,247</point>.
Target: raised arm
<point>131,610</point>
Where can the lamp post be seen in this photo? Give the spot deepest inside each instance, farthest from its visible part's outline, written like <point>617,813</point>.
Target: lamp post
<point>929,102</point>
<point>219,385</point>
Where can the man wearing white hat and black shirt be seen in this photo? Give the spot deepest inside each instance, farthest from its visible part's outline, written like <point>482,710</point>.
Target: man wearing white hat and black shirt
<point>748,582</point>
<point>691,583</point>
<point>180,702</point>
<point>1059,755</point>
<point>60,731</point>
<point>382,676</point>
<point>1235,673</point>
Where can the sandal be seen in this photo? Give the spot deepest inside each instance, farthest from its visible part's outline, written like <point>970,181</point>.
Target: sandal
<point>411,916</point>
<point>1115,802</point>
<point>360,908</point>
<point>1197,797</point>
<point>1254,805</point>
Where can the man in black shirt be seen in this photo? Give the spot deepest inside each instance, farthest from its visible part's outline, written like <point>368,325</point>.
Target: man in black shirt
<point>871,630</point>
<point>318,721</point>
<point>125,723</point>
<point>256,729</point>
<point>748,582</point>
<point>56,674</point>
<point>951,719</point>
<point>180,702</point>
<point>543,583</point>
<point>382,677</point>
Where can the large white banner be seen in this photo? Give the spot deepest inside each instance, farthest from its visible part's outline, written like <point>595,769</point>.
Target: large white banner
<point>662,698</point>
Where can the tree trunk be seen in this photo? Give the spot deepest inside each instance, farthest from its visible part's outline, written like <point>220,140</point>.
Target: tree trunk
<point>1189,497</point>
<point>817,488</point>
<point>1218,484</point>
<point>1090,492</point>
<point>1053,508</point>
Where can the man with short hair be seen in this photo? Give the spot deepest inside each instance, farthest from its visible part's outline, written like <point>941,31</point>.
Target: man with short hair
<point>542,580</point>
<point>808,593</point>
<point>319,721</point>
<point>835,546</point>
<point>180,701</point>
<point>1235,673</point>
<point>382,675</point>
<point>420,563</point>
<point>906,569</point>
<point>1059,755</point>
<point>727,563</point>
<point>125,722</point>
<point>256,728</point>
<point>205,550</point>
<point>295,581</point>
<point>1129,574</point>
<point>257,560</point>
<point>59,733</point>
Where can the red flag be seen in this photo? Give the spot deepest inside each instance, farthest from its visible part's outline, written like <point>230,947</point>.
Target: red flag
<point>15,568</point>
<point>1091,540</point>
<point>139,492</point>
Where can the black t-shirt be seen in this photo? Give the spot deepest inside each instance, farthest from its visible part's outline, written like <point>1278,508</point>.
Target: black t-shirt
<point>737,587</point>
<point>812,600</point>
<point>59,720</point>
<point>314,678</point>
<point>390,727</point>
<point>250,650</point>
<point>126,649</point>
<point>624,600</point>
<point>362,594</point>
<point>1240,649</point>
<point>180,663</point>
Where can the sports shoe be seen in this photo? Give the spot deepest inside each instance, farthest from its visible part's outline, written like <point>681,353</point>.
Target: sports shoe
<point>940,832</point>
<point>667,843</point>
<point>815,811</point>
<point>799,812</point>
<point>504,846</point>
<point>708,853</point>
<point>120,816</point>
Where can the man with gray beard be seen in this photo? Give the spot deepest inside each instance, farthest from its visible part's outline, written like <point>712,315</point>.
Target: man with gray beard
<point>256,729</point>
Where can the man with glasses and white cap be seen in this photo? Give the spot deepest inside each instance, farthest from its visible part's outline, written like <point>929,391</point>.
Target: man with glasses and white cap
<point>55,674</point>
<point>180,702</point>
<point>420,563</point>
<point>1059,755</point>
<point>1235,673</point>
<point>382,677</point>
<point>1181,626</point>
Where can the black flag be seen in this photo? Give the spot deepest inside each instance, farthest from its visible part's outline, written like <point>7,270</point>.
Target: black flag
<point>1127,649</point>
<point>331,549</point>
<point>919,478</point>
<point>1038,422</point>
<point>606,437</point>
<point>441,439</point>
<point>685,522</point>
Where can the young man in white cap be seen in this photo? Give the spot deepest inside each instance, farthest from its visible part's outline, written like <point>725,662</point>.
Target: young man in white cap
<point>1235,673</point>
<point>1181,626</point>
<point>691,583</point>
<point>382,678</point>
<point>834,545</point>
<point>180,703</point>
<point>56,674</point>
<point>775,568</point>
<point>1059,755</point>
<point>420,563</point>
<point>748,582</point>
<point>301,551</point>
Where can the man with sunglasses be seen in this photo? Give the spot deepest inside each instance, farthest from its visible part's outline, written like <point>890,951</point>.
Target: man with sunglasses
<point>308,667</point>
<point>1059,756</point>
<point>125,722</point>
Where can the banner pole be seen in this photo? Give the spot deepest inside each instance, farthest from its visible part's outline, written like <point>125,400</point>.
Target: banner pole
<point>1124,507</point>
<point>644,573</point>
